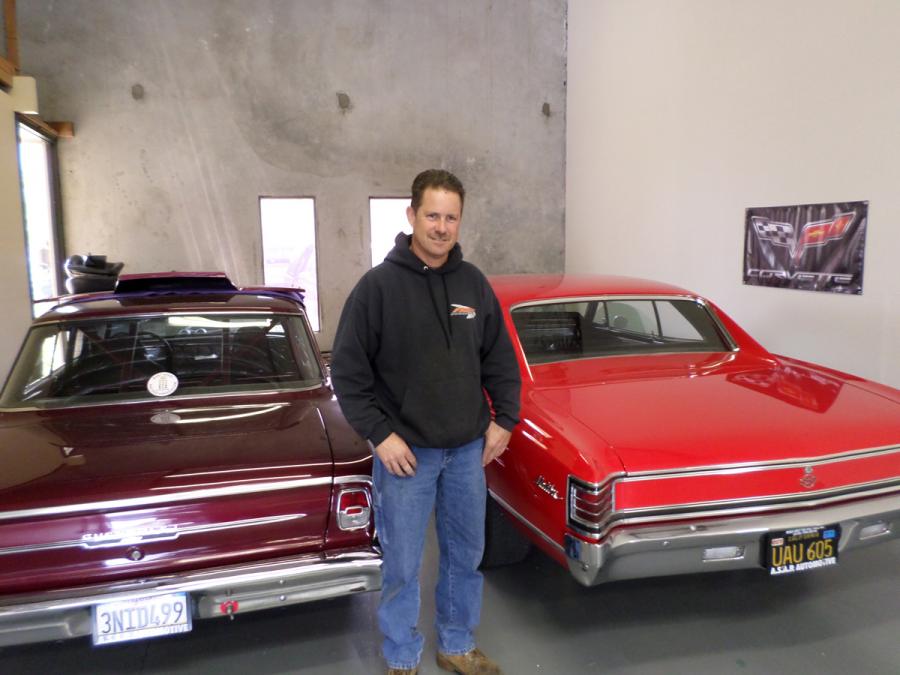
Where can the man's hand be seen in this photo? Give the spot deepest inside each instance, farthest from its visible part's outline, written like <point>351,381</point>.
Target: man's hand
<point>396,456</point>
<point>496,438</point>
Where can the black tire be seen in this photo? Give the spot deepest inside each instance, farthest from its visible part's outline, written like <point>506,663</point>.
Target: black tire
<point>503,543</point>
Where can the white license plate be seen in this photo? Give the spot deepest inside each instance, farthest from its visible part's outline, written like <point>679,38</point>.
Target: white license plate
<point>141,618</point>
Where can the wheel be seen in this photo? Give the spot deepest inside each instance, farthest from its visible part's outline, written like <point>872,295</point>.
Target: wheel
<point>503,543</point>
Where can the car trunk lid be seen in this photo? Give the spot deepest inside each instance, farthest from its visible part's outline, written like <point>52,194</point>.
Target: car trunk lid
<point>103,493</point>
<point>711,433</point>
<point>699,410</point>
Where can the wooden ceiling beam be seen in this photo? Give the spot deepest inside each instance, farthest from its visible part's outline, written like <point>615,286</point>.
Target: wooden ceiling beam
<point>12,36</point>
<point>9,60</point>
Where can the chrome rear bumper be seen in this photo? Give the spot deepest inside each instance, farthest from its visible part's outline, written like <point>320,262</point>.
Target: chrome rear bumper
<point>652,551</point>
<point>223,591</point>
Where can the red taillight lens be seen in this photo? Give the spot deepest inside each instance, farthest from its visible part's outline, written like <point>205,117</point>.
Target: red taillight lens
<point>589,505</point>
<point>354,510</point>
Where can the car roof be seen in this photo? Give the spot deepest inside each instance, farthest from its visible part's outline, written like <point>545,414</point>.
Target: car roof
<point>512,289</point>
<point>89,308</point>
<point>166,293</point>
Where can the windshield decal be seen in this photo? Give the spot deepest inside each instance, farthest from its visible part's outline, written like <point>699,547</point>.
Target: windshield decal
<point>162,384</point>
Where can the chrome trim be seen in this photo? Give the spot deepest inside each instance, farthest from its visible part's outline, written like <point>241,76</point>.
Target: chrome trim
<point>527,523</point>
<point>135,502</point>
<point>596,487</point>
<point>610,356</point>
<point>602,297</point>
<point>779,499</point>
<point>367,512</point>
<point>608,486</point>
<point>738,505</point>
<point>546,486</point>
<point>183,397</point>
<point>646,551</point>
<point>66,613</point>
<point>737,467</point>
<point>137,540</point>
<point>341,480</point>
<point>618,522</point>
<point>232,412</point>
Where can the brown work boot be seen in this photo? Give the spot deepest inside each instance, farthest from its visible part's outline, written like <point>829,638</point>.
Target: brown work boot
<point>470,663</point>
<point>403,671</point>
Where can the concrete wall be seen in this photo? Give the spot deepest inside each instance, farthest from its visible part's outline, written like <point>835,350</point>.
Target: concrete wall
<point>187,112</point>
<point>14,298</point>
<point>682,113</point>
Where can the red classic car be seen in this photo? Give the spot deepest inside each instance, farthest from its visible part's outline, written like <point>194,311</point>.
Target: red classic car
<point>169,451</point>
<point>658,438</point>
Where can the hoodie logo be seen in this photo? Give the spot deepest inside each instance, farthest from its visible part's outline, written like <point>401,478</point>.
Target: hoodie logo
<point>462,310</point>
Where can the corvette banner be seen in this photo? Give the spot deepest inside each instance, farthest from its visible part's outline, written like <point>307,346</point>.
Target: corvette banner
<point>813,247</point>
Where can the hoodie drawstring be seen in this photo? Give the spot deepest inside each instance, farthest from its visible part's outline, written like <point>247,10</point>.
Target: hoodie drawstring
<point>434,304</point>
<point>447,303</point>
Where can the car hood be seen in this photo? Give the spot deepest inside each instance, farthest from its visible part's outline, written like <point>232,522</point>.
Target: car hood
<point>55,457</point>
<point>676,411</point>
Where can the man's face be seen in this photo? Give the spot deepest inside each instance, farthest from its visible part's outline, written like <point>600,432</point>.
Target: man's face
<point>435,225</point>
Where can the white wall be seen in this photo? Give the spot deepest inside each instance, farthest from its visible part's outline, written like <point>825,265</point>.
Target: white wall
<point>15,307</point>
<point>682,113</point>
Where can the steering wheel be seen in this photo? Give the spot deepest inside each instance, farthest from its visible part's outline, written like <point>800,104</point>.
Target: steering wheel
<point>148,341</point>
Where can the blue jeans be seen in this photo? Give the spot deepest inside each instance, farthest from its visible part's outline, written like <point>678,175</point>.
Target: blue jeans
<point>450,482</point>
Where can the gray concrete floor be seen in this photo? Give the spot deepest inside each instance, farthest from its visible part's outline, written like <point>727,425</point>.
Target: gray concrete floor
<point>843,620</point>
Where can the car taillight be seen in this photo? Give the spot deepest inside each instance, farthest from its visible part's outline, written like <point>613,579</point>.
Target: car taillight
<point>354,510</point>
<point>589,504</point>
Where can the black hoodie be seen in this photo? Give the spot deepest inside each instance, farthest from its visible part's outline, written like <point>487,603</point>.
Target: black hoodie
<point>414,348</point>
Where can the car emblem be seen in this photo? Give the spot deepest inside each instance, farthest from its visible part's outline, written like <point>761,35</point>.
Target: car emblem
<point>547,486</point>
<point>809,478</point>
<point>129,537</point>
<point>810,235</point>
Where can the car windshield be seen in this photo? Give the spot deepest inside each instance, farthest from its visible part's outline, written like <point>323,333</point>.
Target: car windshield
<point>562,331</point>
<point>140,357</point>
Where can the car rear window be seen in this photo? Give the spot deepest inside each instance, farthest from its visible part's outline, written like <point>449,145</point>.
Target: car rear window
<point>127,358</point>
<point>562,331</point>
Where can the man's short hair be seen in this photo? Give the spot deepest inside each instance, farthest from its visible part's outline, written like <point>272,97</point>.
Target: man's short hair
<point>436,179</point>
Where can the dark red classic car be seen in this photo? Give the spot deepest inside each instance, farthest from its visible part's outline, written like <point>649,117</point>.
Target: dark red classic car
<point>171,451</point>
<point>659,438</point>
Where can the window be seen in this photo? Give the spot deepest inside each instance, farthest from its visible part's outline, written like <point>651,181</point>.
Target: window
<point>573,330</point>
<point>387,217</point>
<point>289,248</point>
<point>114,359</point>
<point>42,236</point>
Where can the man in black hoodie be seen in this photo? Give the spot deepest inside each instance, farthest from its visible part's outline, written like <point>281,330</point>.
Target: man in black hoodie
<point>420,340</point>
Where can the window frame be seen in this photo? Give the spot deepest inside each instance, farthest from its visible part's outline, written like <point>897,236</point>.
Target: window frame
<point>316,247</point>
<point>373,198</point>
<point>56,228</point>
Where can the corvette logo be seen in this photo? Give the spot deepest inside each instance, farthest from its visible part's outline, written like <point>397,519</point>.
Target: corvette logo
<point>811,235</point>
<point>463,311</point>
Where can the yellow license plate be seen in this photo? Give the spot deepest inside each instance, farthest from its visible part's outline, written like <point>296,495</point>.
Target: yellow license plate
<point>802,549</point>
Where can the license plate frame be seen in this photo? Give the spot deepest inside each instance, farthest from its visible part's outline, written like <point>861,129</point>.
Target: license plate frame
<point>120,621</point>
<point>802,549</point>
